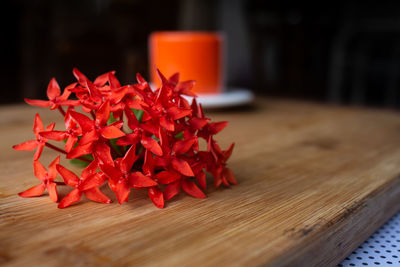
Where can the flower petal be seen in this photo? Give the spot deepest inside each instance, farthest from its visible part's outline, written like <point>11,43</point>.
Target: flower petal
<point>50,127</point>
<point>96,195</point>
<point>176,113</point>
<point>134,103</point>
<point>80,150</point>
<point>156,196</point>
<point>146,116</point>
<point>129,139</point>
<point>102,79</point>
<point>83,121</point>
<point>192,189</point>
<point>184,88</point>
<point>51,188</point>
<point>148,165</point>
<point>68,176</point>
<point>39,170</point>
<point>122,191</point>
<point>140,78</point>
<point>128,160</point>
<point>162,135</point>
<point>167,124</point>
<point>139,180</point>
<point>198,123</point>
<point>89,137</point>
<point>201,179</point>
<point>90,169</point>
<point>182,166</point>
<point>102,153</point>
<point>73,196</point>
<point>52,171</point>
<point>33,191</point>
<point>217,177</point>
<point>117,95</point>
<point>114,83</point>
<point>150,127</point>
<point>224,181</point>
<point>69,145</point>
<point>161,77</point>
<point>182,102</point>
<point>37,125</point>
<point>67,92</point>
<point>79,76</point>
<point>103,114</point>
<point>68,103</point>
<point>93,181</point>
<point>216,127</point>
<point>53,89</point>
<point>152,145</point>
<point>174,79</point>
<point>228,174</point>
<point>195,109</point>
<point>111,132</point>
<point>38,103</point>
<point>26,146</point>
<point>132,120</point>
<point>69,122</point>
<point>182,146</point>
<point>38,152</point>
<point>167,177</point>
<point>172,190</point>
<point>54,135</point>
<point>112,172</point>
<point>228,152</point>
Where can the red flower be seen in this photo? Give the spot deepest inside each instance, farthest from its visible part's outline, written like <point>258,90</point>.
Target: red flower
<point>197,121</point>
<point>95,130</point>
<point>56,99</point>
<point>87,184</point>
<point>179,89</point>
<point>221,173</point>
<point>47,179</point>
<point>132,137</point>
<point>174,161</point>
<point>121,176</point>
<point>173,157</point>
<point>40,141</point>
<point>167,114</point>
<point>71,134</point>
<point>154,192</point>
<point>141,133</point>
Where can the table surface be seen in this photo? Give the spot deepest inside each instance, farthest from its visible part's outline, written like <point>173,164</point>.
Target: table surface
<point>314,182</point>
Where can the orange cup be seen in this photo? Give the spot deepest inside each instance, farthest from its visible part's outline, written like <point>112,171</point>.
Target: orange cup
<point>195,55</point>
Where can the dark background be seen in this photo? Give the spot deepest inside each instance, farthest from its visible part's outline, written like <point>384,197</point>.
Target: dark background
<point>336,51</point>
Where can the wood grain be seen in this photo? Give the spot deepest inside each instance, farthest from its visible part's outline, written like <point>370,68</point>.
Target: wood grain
<point>314,182</point>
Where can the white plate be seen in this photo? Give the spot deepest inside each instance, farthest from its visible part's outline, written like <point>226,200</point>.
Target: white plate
<point>234,97</point>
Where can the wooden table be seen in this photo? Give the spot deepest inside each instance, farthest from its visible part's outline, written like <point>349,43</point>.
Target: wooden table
<point>314,182</point>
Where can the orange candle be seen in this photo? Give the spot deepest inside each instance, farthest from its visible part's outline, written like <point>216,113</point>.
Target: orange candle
<point>195,55</point>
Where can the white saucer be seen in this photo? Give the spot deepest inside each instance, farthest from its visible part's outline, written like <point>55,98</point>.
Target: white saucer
<point>234,97</point>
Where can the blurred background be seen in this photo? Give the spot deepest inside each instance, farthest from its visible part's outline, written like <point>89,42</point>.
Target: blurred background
<point>335,51</point>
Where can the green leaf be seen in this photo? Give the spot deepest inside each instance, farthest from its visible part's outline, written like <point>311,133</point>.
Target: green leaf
<point>179,136</point>
<point>111,119</point>
<point>138,113</point>
<point>116,147</point>
<point>155,138</point>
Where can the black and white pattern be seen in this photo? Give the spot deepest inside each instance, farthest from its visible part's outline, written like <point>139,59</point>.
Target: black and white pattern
<point>381,249</point>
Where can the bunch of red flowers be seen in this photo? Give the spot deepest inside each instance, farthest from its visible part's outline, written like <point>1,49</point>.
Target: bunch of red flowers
<point>130,137</point>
